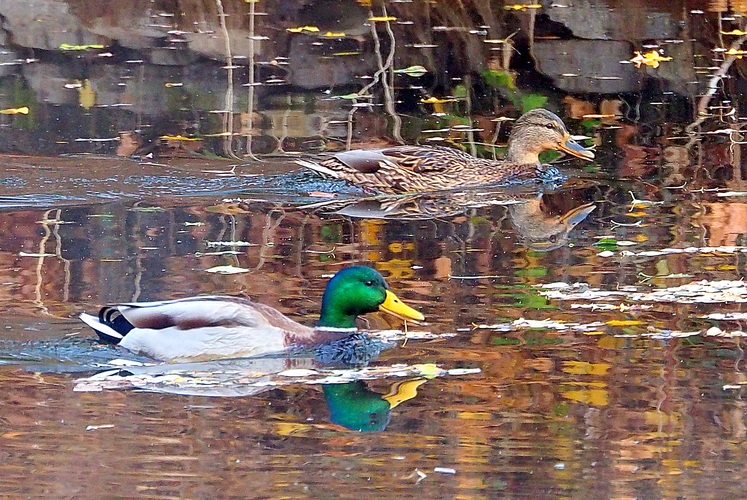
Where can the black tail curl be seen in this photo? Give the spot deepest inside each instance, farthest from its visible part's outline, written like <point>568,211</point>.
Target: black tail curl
<point>111,317</point>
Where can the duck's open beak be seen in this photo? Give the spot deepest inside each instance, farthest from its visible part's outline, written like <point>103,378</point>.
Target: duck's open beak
<point>573,148</point>
<point>396,307</point>
<point>575,216</point>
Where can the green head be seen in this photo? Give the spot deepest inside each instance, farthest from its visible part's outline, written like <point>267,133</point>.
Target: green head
<point>359,290</point>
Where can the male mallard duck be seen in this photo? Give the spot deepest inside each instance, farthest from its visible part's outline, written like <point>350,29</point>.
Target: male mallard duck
<point>404,169</point>
<point>203,328</point>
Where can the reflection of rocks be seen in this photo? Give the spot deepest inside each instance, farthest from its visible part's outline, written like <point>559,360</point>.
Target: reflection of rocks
<point>310,70</point>
<point>606,36</point>
<point>596,20</point>
<point>336,16</point>
<point>605,75</point>
<point>45,24</point>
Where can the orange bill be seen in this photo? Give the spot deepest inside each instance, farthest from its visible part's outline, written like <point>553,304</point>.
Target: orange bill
<point>573,148</point>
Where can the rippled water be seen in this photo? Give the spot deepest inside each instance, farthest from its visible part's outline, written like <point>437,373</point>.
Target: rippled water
<point>145,144</point>
<point>617,408</point>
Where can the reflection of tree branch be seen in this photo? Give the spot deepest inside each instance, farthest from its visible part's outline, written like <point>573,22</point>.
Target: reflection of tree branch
<point>228,106</point>
<point>713,86</point>
<point>250,105</point>
<point>387,84</point>
<point>269,231</point>
<point>42,254</point>
<point>379,76</point>
<point>58,253</point>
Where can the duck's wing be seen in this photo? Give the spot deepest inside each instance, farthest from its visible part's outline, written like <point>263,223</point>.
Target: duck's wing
<point>426,159</point>
<point>198,312</point>
<point>197,328</point>
<point>415,159</point>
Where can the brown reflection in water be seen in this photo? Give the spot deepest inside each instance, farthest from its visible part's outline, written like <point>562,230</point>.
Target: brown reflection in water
<point>620,417</point>
<point>551,414</point>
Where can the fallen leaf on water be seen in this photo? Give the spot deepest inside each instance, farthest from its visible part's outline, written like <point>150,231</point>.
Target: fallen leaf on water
<point>444,470</point>
<point>26,254</point>
<point>310,29</point>
<point>436,100</point>
<point>651,58</point>
<point>97,427</point>
<point>179,138</point>
<point>414,71</point>
<point>738,53</point>
<point>229,244</point>
<point>15,111</point>
<point>227,270</point>
<point>67,46</point>
<point>519,6</point>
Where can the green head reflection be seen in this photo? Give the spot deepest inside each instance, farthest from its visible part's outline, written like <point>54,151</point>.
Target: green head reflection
<point>356,407</point>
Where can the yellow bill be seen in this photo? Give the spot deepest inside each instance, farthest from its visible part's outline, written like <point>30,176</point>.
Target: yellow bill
<point>396,307</point>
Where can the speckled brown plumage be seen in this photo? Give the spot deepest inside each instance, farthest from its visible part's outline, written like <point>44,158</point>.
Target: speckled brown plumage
<point>404,169</point>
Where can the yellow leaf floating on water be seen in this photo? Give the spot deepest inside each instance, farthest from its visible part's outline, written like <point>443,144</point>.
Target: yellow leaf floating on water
<point>382,19</point>
<point>331,34</point>
<point>67,46</point>
<point>300,29</point>
<point>624,322</point>
<point>428,370</point>
<point>651,58</point>
<point>519,6</point>
<point>436,100</point>
<point>15,111</point>
<point>179,138</point>
<point>734,32</point>
<point>734,52</point>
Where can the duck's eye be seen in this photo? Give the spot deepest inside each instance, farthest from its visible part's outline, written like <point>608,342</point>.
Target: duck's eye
<point>551,126</point>
<point>368,283</point>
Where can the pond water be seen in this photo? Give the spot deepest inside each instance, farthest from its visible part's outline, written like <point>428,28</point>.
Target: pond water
<point>582,340</point>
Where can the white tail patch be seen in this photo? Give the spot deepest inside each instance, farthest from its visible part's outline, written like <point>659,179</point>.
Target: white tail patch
<point>318,168</point>
<point>93,322</point>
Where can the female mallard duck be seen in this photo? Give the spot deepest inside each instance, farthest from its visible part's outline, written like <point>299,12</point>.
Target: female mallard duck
<point>405,169</point>
<point>203,328</point>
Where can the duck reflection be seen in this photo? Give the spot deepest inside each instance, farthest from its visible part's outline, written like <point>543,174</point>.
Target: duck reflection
<point>536,227</point>
<point>538,230</point>
<point>358,408</point>
<point>350,402</point>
